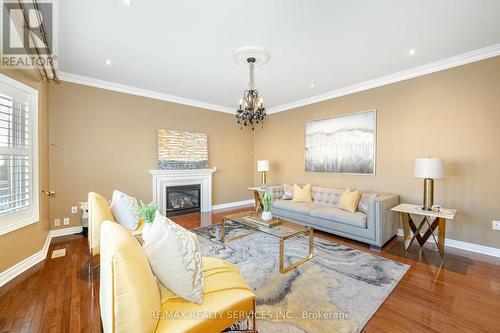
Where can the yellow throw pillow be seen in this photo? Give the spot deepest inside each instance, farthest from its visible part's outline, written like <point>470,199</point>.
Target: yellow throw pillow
<point>302,194</point>
<point>349,200</point>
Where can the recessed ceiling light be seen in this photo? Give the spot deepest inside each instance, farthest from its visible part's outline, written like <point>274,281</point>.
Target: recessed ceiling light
<point>311,85</point>
<point>108,62</point>
<point>411,52</point>
<point>127,2</point>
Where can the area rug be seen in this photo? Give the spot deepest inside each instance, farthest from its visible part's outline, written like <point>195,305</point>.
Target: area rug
<point>338,290</point>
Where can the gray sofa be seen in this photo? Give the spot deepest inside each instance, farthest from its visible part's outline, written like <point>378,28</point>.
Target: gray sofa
<point>374,228</point>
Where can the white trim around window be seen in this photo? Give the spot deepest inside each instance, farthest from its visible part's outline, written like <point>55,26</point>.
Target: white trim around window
<point>30,215</point>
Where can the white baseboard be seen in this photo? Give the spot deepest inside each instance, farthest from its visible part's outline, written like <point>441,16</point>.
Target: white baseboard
<point>37,257</point>
<point>65,231</point>
<point>476,248</point>
<point>233,204</point>
<point>22,266</point>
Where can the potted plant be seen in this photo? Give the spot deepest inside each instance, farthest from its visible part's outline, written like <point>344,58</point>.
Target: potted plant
<point>147,212</point>
<point>266,202</point>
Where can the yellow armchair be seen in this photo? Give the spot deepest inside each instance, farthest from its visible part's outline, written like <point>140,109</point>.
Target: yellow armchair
<point>99,211</point>
<point>131,299</point>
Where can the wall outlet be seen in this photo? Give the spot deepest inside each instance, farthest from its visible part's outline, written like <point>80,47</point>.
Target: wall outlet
<point>66,220</point>
<point>57,222</point>
<point>496,225</point>
<point>74,209</point>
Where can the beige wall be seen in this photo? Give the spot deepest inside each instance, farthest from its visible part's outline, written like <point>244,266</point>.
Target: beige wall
<point>453,114</point>
<point>22,243</point>
<point>103,140</point>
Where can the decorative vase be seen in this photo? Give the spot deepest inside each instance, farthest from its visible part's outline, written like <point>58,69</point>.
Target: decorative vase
<point>267,216</point>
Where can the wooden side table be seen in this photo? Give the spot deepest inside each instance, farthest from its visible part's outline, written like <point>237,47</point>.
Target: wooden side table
<point>257,194</point>
<point>432,219</point>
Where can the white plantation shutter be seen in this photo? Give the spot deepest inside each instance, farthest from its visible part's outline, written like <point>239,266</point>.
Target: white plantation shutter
<point>18,174</point>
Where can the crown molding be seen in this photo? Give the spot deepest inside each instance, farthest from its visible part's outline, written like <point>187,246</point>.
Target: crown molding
<point>458,60</point>
<point>461,59</point>
<point>96,83</point>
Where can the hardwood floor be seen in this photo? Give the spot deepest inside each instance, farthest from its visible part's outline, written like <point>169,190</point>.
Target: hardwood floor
<point>462,295</point>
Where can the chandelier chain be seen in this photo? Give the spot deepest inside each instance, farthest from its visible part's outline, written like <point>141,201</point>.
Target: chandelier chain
<point>251,82</point>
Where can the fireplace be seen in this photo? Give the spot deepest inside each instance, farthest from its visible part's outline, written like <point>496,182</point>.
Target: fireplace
<point>161,179</point>
<point>182,199</point>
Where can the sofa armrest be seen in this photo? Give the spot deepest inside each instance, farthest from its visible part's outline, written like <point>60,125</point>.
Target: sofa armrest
<point>276,192</point>
<point>386,220</point>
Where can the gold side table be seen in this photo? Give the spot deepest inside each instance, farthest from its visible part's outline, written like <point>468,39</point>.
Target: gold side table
<point>257,194</point>
<point>432,219</point>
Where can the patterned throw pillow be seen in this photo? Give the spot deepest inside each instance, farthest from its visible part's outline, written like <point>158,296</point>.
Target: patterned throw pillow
<point>124,208</point>
<point>175,258</point>
<point>287,192</point>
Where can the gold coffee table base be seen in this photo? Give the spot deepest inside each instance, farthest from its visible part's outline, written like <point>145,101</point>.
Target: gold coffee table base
<point>294,231</point>
<point>284,269</point>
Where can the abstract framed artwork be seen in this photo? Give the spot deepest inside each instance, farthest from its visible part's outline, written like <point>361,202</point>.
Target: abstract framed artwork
<point>344,144</point>
<point>179,150</point>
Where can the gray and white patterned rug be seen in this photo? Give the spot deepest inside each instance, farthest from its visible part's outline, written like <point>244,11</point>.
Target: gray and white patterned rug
<point>336,291</point>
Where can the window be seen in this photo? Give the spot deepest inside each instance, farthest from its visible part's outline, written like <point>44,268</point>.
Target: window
<point>18,155</point>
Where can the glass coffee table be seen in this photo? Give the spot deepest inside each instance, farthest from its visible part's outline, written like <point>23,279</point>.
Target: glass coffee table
<point>282,229</point>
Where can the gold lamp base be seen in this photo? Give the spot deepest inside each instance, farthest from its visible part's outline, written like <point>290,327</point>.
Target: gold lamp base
<point>263,179</point>
<point>428,194</point>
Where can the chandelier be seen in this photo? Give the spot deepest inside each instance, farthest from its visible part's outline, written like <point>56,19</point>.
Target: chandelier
<point>251,109</point>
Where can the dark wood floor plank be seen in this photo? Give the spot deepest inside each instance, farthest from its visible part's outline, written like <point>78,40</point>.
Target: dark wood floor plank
<point>462,295</point>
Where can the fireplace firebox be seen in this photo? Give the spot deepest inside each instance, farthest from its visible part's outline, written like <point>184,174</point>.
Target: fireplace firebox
<point>182,199</point>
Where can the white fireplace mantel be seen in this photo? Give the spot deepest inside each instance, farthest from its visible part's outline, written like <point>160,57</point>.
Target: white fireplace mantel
<point>164,178</point>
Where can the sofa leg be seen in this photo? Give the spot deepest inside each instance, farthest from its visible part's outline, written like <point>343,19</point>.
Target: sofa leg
<point>375,248</point>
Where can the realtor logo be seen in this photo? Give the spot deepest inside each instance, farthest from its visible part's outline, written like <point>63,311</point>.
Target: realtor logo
<point>27,34</point>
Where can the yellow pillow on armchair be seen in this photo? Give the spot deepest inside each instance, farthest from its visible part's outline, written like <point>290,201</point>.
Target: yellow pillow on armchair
<point>302,194</point>
<point>349,200</point>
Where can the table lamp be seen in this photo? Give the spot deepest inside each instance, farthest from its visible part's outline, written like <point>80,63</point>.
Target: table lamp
<point>263,166</point>
<point>429,168</point>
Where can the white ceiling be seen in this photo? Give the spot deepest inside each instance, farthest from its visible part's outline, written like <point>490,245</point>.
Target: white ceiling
<point>185,48</point>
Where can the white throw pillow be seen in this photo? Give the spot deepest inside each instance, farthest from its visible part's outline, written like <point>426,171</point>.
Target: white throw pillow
<point>175,258</point>
<point>287,192</point>
<point>363,202</point>
<point>154,232</point>
<point>124,208</point>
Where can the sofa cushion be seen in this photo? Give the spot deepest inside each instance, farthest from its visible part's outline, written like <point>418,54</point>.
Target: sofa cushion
<point>220,308</point>
<point>326,195</point>
<point>336,214</point>
<point>212,270</point>
<point>296,207</point>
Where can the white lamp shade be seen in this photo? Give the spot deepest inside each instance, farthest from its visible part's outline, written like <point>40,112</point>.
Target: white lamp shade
<point>263,165</point>
<point>429,167</point>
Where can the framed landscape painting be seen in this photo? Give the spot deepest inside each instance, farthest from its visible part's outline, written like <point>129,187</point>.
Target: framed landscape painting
<point>344,144</point>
